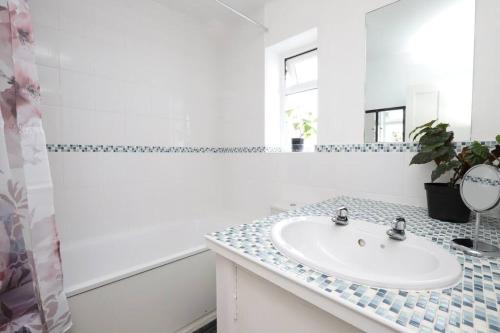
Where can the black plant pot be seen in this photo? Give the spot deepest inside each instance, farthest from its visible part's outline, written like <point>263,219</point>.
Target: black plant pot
<point>297,144</point>
<point>445,203</point>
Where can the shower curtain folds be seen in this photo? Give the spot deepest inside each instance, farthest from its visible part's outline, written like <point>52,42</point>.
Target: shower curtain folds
<point>32,298</point>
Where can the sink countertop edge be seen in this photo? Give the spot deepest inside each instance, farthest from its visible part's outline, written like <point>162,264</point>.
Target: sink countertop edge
<point>307,292</point>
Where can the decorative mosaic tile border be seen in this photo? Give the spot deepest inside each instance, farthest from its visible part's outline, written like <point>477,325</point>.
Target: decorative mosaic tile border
<point>471,306</point>
<point>336,148</point>
<point>70,148</point>
<point>369,148</point>
<point>395,147</point>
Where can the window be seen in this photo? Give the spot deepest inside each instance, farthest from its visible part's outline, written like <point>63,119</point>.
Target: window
<point>300,99</point>
<point>385,125</point>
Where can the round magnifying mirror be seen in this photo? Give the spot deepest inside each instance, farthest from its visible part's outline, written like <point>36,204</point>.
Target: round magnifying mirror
<point>480,191</point>
<point>480,188</point>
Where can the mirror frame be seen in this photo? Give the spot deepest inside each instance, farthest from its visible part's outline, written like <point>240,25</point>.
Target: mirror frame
<point>462,189</point>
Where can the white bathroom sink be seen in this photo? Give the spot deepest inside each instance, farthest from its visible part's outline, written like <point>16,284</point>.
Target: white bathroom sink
<point>361,252</point>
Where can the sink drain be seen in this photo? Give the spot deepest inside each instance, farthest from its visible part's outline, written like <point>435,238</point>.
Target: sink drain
<point>361,242</point>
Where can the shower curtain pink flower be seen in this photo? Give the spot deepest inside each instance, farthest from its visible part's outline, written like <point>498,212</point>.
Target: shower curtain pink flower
<point>31,293</point>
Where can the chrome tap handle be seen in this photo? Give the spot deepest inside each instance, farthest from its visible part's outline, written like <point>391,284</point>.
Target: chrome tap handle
<point>342,217</point>
<point>343,213</point>
<point>399,224</point>
<point>397,231</point>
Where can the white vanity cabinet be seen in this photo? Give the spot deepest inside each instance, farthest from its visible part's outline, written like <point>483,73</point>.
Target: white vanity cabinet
<point>252,298</point>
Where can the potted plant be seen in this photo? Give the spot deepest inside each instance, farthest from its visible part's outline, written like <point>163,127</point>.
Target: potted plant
<point>303,126</point>
<point>436,145</point>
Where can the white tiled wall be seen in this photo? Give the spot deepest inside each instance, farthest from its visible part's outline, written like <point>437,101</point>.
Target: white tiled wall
<point>241,97</point>
<point>253,182</point>
<point>124,72</point>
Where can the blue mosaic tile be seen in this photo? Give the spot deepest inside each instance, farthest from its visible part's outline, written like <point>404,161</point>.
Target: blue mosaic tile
<point>454,319</point>
<point>416,319</point>
<point>471,306</point>
<point>403,319</point>
<point>468,319</point>
<point>494,323</point>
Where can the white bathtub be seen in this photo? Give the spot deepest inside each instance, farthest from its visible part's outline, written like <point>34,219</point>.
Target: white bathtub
<point>96,262</point>
<point>178,297</point>
<point>164,268</point>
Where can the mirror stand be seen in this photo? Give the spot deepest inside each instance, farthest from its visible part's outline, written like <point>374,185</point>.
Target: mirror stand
<point>476,247</point>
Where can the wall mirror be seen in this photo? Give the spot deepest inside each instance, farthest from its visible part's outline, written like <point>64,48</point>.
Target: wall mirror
<point>419,67</point>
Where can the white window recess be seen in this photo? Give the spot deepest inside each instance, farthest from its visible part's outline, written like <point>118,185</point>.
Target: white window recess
<point>291,83</point>
<point>299,99</point>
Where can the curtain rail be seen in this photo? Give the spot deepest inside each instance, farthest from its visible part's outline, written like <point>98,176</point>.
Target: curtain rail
<point>240,14</point>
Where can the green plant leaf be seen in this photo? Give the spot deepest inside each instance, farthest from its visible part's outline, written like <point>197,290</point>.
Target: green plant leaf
<point>476,154</point>
<point>424,126</point>
<point>429,148</point>
<point>442,168</point>
<point>479,150</point>
<point>420,133</point>
<point>422,158</point>
<point>436,144</point>
<point>436,138</point>
<point>443,126</point>
<point>498,139</point>
<point>442,153</point>
<point>303,124</point>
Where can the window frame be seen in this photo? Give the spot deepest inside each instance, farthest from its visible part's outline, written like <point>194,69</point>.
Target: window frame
<point>284,91</point>
<point>378,111</point>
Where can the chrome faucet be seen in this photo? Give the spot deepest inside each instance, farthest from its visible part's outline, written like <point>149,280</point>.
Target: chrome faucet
<point>397,231</point>
<point>342,217</point>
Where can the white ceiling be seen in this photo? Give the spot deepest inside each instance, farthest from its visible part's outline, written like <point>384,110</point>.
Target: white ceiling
<point>209,10</point>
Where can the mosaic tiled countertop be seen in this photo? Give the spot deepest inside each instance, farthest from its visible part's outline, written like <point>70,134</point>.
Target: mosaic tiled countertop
<point>471,306</point>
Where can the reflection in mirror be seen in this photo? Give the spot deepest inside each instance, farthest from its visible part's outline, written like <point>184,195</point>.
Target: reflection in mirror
<point>419,67</point>
<point>480,188</point>
<point>385,125</point>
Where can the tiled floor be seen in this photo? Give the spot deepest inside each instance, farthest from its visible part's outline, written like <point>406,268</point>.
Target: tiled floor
<point>209,328</point>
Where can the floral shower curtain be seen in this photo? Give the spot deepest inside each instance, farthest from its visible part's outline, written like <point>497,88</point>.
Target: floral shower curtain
<point>31,293</point>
